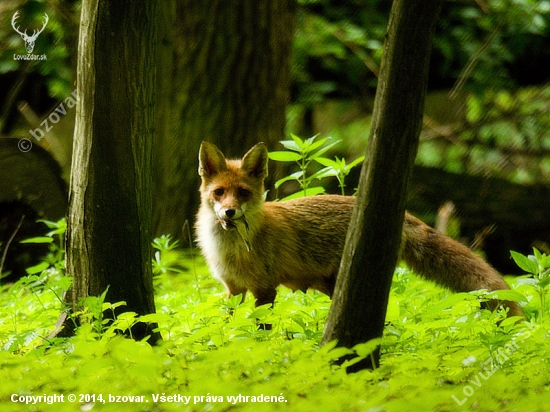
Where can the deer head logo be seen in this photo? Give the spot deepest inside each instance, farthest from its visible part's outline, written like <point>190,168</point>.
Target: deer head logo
<point>29,40</point>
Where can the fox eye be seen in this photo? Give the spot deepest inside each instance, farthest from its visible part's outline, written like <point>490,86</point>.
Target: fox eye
<point>219,192</point>
<point>244,192</point>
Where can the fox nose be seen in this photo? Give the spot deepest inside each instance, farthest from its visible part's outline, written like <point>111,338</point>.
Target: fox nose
<point>230,213</point>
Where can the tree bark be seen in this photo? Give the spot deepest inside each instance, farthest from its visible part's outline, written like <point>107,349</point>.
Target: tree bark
<point>361,295</point>
<point>110,204</point>
<point>232,66</point>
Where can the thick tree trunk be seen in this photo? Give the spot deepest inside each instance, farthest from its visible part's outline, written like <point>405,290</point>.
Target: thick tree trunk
<point>360,299</point>
<point>109,218</point>
<point>232,67</point>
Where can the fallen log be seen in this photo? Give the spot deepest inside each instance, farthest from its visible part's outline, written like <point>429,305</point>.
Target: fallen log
<point>513,217</point>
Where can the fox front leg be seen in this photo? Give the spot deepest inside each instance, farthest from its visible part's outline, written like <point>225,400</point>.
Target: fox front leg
<point>234,290</point>
<point>265,297</point>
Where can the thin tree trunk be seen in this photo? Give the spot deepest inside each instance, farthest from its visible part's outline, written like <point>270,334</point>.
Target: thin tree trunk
<point>109,218</point>
<point>361,295</point>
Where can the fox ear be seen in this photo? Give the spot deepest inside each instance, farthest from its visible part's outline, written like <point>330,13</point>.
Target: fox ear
<point>211,160</point>
<point>255,161</point>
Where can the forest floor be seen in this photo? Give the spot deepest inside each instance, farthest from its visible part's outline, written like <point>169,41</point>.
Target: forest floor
<point>440,352</point>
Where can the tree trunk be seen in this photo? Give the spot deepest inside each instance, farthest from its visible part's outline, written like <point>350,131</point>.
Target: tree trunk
<point>361,295</point>
<point>232,67</point>
<point>110,206</point>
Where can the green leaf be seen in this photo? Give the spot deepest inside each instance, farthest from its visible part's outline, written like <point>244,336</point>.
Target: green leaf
<point>37,268</point>
<point>311,191</point>
<point>446,303</point>
<point>316,190</point>
<point>311,146</point>
<point>525,263</point>
<point>293,176</point>
<point>291,145</point>
<point>357,161</point>
<point>282,156</point>
<point>261,312</point>
<point>51,224</point>
<point>38,239</point>
<point>156,318</point>
<point>298,141</point>
<point>325,161</point>
<point>527,281</point>
<point>512,320</point>
<point>127,316</point>
<point>545,262</point>
<point>325,172</point>
<point>365,349</point>
<point>334,352</point>
<point>322,151</point>
<point>510,295</point>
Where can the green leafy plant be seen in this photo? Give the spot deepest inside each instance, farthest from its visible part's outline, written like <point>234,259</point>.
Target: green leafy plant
<point>304,152</point>
<point>338,168</point>
<point>167,256</point>
<point>55,238</point>
<point>102,319</point>
<point>538,266</point>
<point>36,300</point>
<point>214,355</point>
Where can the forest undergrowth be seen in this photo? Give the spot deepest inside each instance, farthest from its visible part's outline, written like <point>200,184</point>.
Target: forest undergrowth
<point>440,351</point>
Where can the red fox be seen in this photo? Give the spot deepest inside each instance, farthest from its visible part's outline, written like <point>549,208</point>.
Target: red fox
<point>250,244</point>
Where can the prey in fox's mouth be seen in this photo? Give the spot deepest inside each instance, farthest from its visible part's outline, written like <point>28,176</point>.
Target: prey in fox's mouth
<point>226,224</point>
<point>242,227</point>
<point>230,224</point>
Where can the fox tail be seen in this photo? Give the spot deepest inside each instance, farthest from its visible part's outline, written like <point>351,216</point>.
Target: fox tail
<point>449,263</point>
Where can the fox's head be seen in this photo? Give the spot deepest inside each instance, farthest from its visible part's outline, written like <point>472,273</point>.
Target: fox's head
<point>233,189</point>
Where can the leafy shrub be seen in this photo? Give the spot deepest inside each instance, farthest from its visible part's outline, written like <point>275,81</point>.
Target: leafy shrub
<point>304,152</point>
<point>212,348</point>
<point>538,267</point>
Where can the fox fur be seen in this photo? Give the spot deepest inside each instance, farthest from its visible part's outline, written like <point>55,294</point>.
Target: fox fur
<point>253,245</point>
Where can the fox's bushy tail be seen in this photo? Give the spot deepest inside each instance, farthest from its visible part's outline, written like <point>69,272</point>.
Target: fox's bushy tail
<point>449,263</point>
